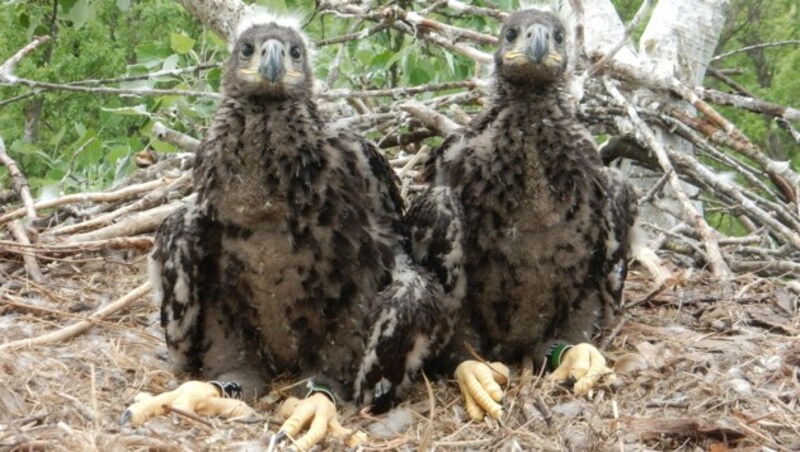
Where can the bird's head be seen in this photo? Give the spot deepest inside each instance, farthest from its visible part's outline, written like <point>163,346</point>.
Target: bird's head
<point>532,49</point>
<point>269,59</point>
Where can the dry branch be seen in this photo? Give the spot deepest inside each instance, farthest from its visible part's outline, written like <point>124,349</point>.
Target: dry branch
<point>749,103</point>
<point>81,327</point>
<point>18,231</point>
<point>138,223</point>
<point>7,69</point>
<point>430,117</point>
<point>713,253</point>
<point>152,199</point>
<point>19,180</point>
<point>99,197</point>
<point>176,138</point>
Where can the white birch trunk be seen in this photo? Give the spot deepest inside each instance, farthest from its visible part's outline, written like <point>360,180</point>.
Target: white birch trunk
<point>679,40</point>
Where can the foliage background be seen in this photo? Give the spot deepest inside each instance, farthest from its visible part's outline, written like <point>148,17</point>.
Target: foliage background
<point>67,142</point>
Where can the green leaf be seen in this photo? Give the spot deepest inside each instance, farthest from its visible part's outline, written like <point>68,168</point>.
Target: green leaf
<point>80,13</point>
<point>66,5</point>
<point>150,54</point>
<point>170,62</point>
<point>24,20</point>
<point>381,60</point>
<point>181,43</point>
<point>164,147</point>
<point>419,76</point>
<point>55,140</point>
<point>213,77</point>
<point>80,129</point>
<point>116,153</point>
<point>124,5</point>
<point>24,148</point>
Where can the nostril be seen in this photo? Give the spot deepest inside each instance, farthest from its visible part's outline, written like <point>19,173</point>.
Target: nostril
<point>263,52</point>
<point>283,53</point>
<point>529,34</point>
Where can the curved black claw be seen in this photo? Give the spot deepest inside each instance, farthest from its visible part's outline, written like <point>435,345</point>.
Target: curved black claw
<point>126,416</point>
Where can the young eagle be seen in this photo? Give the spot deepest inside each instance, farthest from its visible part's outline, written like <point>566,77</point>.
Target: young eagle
<point>547,226</point>
<point>293,258</point>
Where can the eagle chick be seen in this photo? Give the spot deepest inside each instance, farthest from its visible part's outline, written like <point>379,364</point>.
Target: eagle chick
<point>293,257</point>
<point>547,225</point>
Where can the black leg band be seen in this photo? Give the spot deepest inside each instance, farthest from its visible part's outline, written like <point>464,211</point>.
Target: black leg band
<point>314,387</point>
<point>228,389</point>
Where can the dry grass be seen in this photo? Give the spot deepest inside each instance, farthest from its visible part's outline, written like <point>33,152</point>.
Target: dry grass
<point>703,366</point>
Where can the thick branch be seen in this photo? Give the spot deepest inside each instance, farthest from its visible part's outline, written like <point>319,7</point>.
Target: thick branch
<point>430,117</point>
<point>18,231</point>
<point>176,138</point>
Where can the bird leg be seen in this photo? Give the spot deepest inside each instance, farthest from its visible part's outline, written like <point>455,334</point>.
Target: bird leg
<point>199,397</point>
<point>317,412</point>
<point>480,383</point>
<point>583,364</point>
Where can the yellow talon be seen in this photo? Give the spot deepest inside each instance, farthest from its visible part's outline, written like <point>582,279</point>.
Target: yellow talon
<point>193,396</point>
<point>480,385</point>
<point>586,365</point>
<point>318,413</point>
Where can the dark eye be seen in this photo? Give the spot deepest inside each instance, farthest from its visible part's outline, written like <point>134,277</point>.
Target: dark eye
<point>247,50</point>
<point>295,52</point>
<point>558,37</point>
<point>511,34</point>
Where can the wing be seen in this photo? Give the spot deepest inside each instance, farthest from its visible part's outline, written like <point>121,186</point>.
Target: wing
<point>409,324</point>
<point>619,215</point>
<point>180,257</point>
<point>435,224</point>
<point>446,164</point>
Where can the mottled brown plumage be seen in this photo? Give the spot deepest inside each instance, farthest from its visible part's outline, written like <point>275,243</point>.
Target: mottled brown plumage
<point>548,226</point>
<point>293,258</point>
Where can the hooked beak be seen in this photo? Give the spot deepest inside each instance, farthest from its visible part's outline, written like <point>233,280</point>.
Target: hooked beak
<point>538,44</point>
<point>272,67</point>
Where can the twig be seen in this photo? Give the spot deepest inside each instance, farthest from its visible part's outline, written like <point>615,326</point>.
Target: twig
<point>19,180</point>
<point>81,327</point>
<point>187,414</point>
<point>357,36</point>
<point>749,104</point>
<point>755,47</point>
<point>18,231</point>
<point>148,76</point>
<point>397,92</point>
<point>418,21</point>
<point>427,437</point>
<point>444,42</point>
<point>110,91</point>
<point>729,190</point>
<point>476,10</point>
